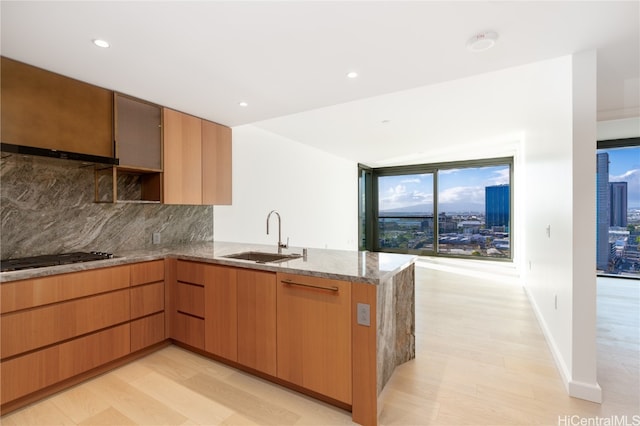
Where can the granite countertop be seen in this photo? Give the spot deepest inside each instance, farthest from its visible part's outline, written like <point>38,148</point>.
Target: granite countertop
<point>365,267</point>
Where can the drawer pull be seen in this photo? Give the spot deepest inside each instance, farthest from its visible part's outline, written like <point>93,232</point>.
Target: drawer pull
<point>319,287</point>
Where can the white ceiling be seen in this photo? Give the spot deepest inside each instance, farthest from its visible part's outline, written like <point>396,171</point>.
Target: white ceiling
<point>287,57</point>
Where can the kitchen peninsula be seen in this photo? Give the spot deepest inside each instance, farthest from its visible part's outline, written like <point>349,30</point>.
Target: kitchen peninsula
<point>331,324</point>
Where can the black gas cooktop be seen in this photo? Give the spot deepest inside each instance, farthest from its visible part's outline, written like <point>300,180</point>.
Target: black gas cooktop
<point>51,260</point>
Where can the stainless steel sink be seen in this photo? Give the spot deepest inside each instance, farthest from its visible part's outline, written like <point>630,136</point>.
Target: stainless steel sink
<point>262,257</point>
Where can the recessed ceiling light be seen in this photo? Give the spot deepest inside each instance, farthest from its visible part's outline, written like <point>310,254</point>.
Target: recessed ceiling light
<point>482,41</point>
<point>352,74</point>
<point>101,43</point>
<point>243,104</point>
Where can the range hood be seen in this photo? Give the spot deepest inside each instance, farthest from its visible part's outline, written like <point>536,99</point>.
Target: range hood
<point>54,153</point>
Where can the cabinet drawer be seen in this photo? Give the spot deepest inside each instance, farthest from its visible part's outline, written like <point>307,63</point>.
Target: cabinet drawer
<point>26,374</point>
<point>24,294</point>
<point>189,330</point>
<point>26,330</point>
<point>147,272</point>
<point>190,272</point>
<point>190,299</point>
<point>147,299</point>
<point>147,331</point>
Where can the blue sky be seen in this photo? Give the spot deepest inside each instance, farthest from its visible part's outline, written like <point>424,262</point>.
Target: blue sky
<point>624,166</point>
<point>459,189</point>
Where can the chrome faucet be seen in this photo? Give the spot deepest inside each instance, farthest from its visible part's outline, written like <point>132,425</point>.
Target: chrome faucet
<point>281,245</point>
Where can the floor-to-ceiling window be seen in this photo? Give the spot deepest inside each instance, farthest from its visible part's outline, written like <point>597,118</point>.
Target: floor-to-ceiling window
<point>618,207</point>
<point>405,212</point>
<point>457,209</point>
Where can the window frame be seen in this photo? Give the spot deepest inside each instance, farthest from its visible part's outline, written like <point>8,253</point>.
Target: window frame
<point>371,241</point>
<point>613,144</point>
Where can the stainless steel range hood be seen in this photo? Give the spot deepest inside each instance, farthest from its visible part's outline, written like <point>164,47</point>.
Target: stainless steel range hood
<point>54,153</point>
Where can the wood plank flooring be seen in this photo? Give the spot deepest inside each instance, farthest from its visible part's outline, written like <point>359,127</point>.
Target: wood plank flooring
<point>481,360</point>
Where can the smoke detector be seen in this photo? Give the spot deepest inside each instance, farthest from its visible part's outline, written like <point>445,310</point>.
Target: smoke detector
<point>482,41</point>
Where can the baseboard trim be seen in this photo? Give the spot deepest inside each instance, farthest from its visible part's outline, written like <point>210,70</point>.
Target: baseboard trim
<point>587,391</point>
<point>565,374</point>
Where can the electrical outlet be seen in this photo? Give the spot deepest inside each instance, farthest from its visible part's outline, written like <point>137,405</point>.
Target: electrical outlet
<point>156,238</point>
<point>549,231</point>
<point>364,314</point>
<point>556,302</point>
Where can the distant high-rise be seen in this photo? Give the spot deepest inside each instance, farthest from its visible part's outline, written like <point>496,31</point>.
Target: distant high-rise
<point>497,206</point>
<point>618,202</point>
<point>602,211</point>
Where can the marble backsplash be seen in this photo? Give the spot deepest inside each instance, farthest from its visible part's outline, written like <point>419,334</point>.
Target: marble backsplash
<point>47,206</point>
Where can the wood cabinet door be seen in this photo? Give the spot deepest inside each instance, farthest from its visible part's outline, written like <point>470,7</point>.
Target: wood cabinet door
<point>182,177</point>
<point>216,164</point>
<point>314,334</point>
<point>138,133</point>
<point>48,110</point>
<point>257,320</point>
<point>221,316</point>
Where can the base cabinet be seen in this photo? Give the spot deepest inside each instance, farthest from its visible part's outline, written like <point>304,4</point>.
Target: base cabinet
<point>221,311</point>
<point>188,329</point>
<point>257,320</point>
<point>314,334</point>
<point>147,304</point>
<point>147,331</point>
<point>58,327</point>
<point>188,314</point>
<point>29,373</point>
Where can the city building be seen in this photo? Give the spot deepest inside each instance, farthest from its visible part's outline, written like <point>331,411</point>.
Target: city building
<point>618,204</point>
<point>497,206</point>
<point>602,211</point>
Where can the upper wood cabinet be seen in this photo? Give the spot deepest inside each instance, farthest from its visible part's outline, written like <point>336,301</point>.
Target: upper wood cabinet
<point>47,110</point>
<point>138,129</point>
<point>216,164</point>
<point>183,158</point>
<point>197,160</point>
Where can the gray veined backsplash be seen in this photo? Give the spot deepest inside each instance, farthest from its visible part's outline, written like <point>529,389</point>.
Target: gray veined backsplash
<point>47,206</point>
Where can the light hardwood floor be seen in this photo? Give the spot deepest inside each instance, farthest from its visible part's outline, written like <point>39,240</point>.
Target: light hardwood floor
<point>481,360</point>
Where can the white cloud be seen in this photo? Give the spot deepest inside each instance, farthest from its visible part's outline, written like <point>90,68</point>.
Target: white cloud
<point>501,177</point>
<point>467,194</point>
<point>399,196</point>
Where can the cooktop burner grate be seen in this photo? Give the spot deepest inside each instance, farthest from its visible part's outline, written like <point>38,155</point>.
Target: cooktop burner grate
<point>51,260</point>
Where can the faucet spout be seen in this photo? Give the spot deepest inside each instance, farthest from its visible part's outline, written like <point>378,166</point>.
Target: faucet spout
<point>280,244</point>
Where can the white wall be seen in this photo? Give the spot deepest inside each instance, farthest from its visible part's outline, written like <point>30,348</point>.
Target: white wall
<point>584,382</point>
<point>314,192</point>
<point>619,129</point>
<point>559,273</point>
